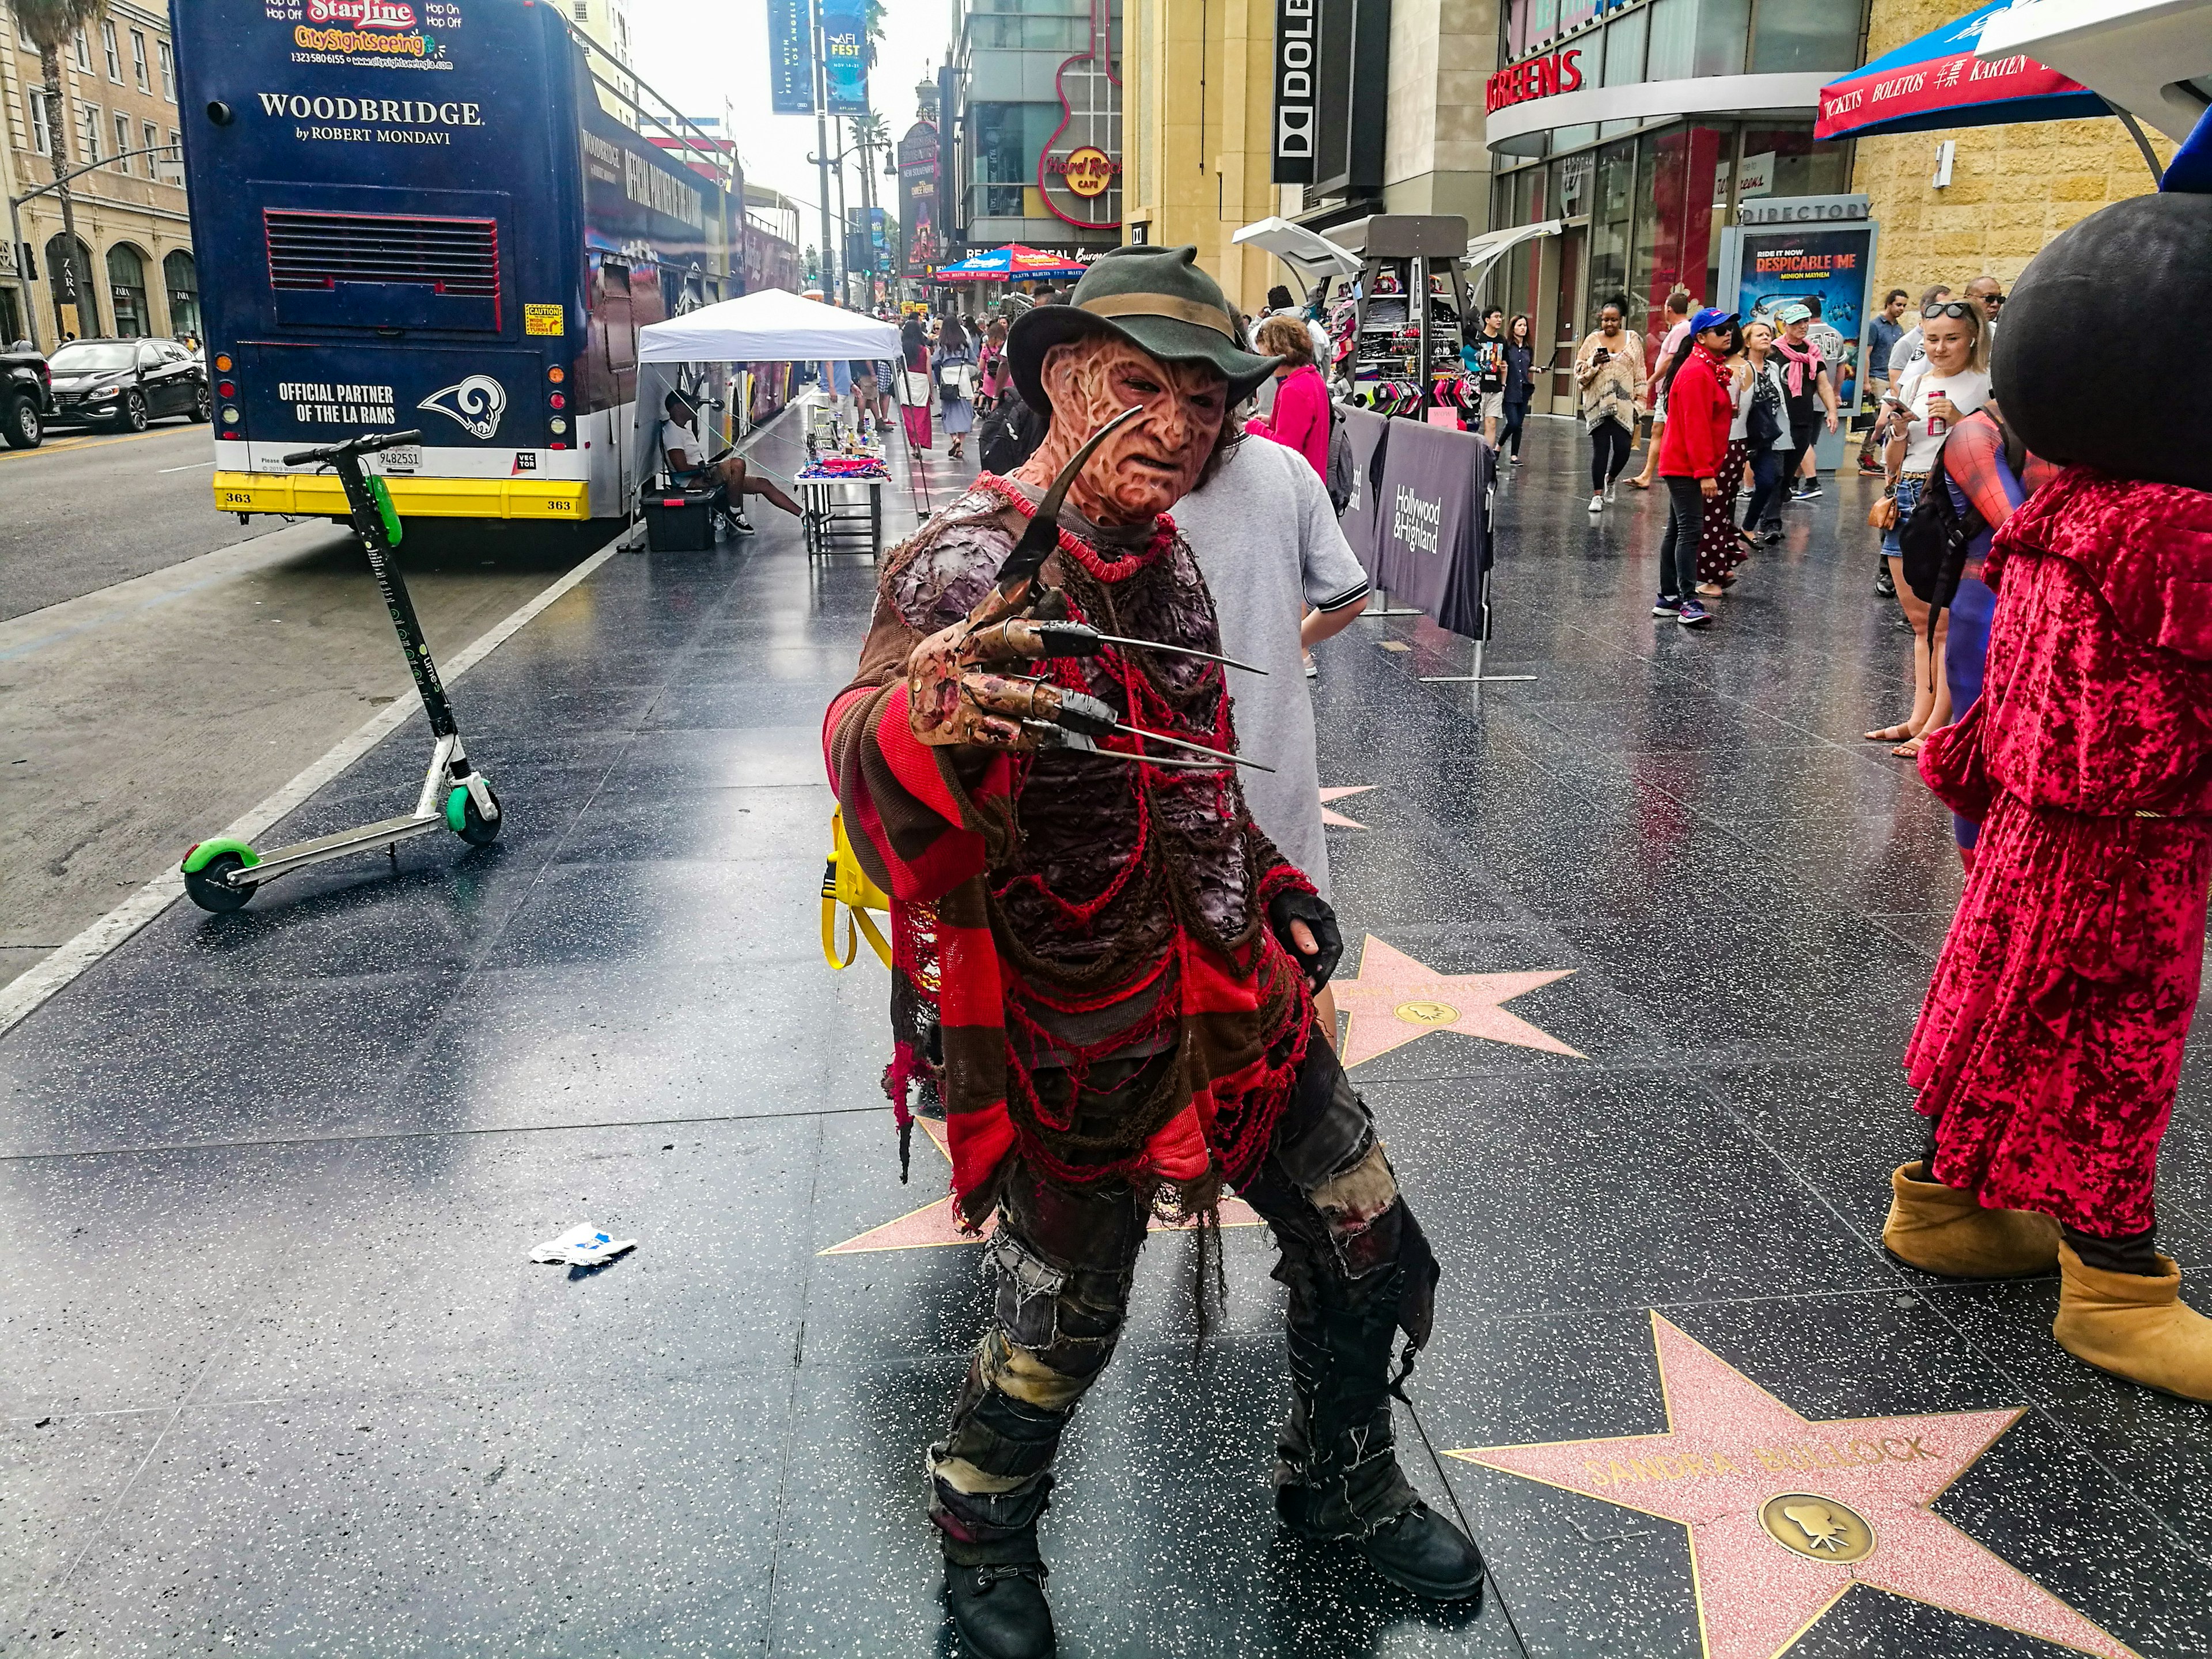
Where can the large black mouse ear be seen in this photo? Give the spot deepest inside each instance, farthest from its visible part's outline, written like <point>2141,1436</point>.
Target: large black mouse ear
<point>2063,387</point>
<point>2189,173</point>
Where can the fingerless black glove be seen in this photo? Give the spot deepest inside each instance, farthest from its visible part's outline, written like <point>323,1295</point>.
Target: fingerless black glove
<point>1291,906</point>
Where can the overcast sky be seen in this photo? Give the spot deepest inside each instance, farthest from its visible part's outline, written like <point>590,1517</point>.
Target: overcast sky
<point>701,53</point>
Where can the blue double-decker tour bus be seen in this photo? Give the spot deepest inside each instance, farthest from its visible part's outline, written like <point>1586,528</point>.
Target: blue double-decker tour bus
<point>452,214</point>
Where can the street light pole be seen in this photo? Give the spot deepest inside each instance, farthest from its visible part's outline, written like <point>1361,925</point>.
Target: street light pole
<point>822,142</point>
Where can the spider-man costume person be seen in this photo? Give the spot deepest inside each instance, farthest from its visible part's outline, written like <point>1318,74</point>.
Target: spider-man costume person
<point>1120,964</point>
<point>2050,1046</point>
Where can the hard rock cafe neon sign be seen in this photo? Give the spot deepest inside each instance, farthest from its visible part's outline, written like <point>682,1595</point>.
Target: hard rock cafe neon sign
<point>1088,172</point>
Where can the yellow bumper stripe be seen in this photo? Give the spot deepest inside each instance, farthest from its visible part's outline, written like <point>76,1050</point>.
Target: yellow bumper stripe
<point>319,495</point>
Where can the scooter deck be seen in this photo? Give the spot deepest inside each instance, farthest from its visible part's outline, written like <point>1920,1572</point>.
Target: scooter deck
<point>361,839</point>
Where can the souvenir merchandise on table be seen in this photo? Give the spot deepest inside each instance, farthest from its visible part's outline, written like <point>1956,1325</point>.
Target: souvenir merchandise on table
<point>855,453</point>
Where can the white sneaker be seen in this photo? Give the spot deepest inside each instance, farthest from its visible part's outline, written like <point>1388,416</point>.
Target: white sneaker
<point>1597,501</point>
<point>1612,489</point>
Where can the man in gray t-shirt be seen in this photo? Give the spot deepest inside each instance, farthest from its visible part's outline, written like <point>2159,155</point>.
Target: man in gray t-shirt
<point>1268,544</point>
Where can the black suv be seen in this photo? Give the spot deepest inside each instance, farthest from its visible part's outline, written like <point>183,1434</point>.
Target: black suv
<point>26,399</point>
<point>126,383</point>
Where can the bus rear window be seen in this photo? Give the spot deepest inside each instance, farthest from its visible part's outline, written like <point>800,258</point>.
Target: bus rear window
<point>383,270</point>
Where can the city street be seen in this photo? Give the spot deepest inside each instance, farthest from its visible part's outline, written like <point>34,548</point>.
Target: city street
<point>164,667</point>
<point>86,510</point>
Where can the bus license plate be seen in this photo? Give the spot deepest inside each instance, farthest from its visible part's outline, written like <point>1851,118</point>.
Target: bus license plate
<point>405,457</point>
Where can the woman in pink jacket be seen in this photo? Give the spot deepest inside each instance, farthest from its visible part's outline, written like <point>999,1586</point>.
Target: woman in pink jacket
<point>1301,416</point>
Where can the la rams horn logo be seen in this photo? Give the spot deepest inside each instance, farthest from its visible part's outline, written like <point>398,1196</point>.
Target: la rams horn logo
<point>476,403</point>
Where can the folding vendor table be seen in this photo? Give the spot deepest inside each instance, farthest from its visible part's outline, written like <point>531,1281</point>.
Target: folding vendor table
<point>839,522</point>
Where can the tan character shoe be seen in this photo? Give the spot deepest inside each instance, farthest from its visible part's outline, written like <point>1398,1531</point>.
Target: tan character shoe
<point>1940,1229</point>
<point>2134,1327</point>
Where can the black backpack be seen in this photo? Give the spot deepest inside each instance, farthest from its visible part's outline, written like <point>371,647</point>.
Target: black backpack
<point>1009,434</point>
<point>1933,540</point>
<point>1342,465</point>
<point>1762,427</point>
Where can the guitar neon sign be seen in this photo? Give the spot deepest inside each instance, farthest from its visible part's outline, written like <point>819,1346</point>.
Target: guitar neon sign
<point>1077,173</point>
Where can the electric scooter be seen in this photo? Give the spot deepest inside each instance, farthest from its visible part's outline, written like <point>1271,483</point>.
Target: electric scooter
<point>223,874</point>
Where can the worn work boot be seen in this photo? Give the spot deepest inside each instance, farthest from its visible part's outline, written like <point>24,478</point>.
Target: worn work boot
<point>999,1608</point>
<point>2134,1326</point>
<point>1337,1477</point>
<point>1940,1229</point>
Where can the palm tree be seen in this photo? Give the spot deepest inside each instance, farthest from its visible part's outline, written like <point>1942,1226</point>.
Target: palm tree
<point>49,25</point>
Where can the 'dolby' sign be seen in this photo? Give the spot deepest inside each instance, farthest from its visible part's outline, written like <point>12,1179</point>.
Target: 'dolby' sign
<point>1537,77</point>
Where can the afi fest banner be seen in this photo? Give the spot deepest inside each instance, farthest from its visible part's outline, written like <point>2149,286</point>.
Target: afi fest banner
<point>845,55</point>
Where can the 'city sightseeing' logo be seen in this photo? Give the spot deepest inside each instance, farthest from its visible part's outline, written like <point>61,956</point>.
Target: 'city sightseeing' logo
<point>362,14</point>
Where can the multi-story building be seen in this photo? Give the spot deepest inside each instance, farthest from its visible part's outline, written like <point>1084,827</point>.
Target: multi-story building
<point>1378,104</point>
<point>1037,154</point>
<point>135,248</point>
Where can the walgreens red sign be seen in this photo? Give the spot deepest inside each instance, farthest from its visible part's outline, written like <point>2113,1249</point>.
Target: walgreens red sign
<point>1539,78</point>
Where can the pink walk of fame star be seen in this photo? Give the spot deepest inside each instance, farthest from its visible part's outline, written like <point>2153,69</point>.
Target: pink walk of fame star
<point>1337,820</point>
<point>936,1223</point>
<point>1397,998</point>
<point>1785,1515</point>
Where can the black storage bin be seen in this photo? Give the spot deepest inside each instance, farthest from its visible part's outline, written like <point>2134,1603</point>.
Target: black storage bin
<point>679,520</point>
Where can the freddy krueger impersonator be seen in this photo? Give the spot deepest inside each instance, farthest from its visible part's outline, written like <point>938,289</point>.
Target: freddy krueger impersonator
<point>1104,969</point>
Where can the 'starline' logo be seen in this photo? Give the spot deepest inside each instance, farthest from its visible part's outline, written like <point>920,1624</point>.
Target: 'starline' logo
<point>362,14</point>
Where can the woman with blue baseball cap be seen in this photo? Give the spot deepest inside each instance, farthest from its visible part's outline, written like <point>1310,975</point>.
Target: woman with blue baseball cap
<point>1692,452</point>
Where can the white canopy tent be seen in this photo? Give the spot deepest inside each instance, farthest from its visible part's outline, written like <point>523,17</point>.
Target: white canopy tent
<point>774,326</point>
<point>770,326</point>
<point>2150,57</point>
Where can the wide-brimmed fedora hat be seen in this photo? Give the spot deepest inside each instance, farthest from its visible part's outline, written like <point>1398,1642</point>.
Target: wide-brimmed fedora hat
<point>1155,298</point>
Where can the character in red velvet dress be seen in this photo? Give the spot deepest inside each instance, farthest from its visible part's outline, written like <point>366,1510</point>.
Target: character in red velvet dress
<point>2049,1047</point>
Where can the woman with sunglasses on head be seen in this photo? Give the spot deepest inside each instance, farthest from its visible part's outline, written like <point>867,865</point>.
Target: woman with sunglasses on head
<point>1519,382</point>
<point>1609,370</point>
<point>1949,383</point>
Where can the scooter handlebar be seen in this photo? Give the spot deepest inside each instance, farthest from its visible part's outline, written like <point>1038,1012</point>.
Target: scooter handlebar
<point>368,444</point>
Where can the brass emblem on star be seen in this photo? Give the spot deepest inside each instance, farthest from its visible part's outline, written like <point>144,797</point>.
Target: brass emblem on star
<point>1426,1013</point>
<point>1820,1528</point>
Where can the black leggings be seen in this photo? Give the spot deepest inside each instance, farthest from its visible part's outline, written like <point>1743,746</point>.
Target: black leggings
<point>1677,553</point>
<point>1610,442</point>
<point>1509,436</point>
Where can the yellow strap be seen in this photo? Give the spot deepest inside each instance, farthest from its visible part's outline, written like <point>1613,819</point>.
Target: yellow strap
<point>857,922</point>
<point>875,937</point>
<point>830,937</point>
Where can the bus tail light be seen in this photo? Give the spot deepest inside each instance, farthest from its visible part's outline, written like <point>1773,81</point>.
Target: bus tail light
<point>225,389</point>
<point>222,364</point>
<point>558,401</point>
<point>557,375</point>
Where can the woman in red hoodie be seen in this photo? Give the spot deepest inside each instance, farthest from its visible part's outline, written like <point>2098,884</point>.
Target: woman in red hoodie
<point>1690,455</point>
<point>1301,416</point>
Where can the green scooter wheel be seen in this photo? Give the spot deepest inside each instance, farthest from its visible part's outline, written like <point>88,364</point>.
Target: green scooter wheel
<point>462,818</point>
<point>206,887</point>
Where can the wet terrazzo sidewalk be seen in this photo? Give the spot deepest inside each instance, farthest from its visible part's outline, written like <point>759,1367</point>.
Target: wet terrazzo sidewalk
<point>281,1380</point>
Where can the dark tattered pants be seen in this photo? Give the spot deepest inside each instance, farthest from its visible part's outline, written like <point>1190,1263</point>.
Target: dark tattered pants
<point>1061,1263</point>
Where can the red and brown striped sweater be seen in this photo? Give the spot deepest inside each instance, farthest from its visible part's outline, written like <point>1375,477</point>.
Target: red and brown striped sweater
<point>1090,933</point>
